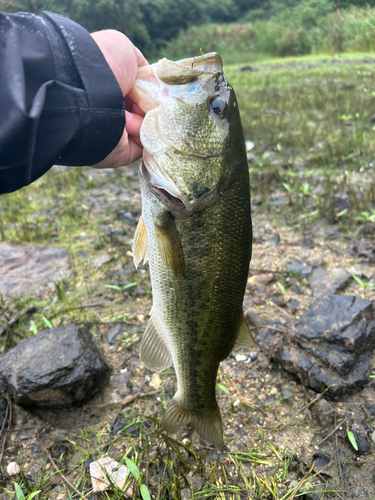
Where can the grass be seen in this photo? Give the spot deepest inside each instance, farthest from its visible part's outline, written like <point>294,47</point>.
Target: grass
<point>311,122</point>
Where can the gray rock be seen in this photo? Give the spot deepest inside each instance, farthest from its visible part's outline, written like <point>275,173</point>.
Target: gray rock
<point>56,368</point>
<point>321,460</point>
<point>306,243</point>
<point>30,269</point>
<point>362,443</point>
<point>274,239</point>
<point>323,411</point>
<point>114,333</point>
<point>329,346</point>
<point>326,281</point>
<point>299,269</point>
<point>287,395</point>
<point>339,204</point>
<point>186,494</point>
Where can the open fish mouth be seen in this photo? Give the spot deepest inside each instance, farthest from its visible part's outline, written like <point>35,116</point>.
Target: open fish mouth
<point>169,195</point>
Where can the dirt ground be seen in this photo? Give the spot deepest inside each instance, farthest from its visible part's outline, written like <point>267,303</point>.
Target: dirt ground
<point>265,411</point>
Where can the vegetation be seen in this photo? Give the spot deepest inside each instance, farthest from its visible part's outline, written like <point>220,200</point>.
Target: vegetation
<point>310,120</point>
<point>275,27</point>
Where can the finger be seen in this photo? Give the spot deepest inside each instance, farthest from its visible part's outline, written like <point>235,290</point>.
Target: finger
<point>137,140</point>
<point>133,123</point>
<point>141,60</point>
<point>132,107</point>
<point>133,153</point>
<point>137,110</point>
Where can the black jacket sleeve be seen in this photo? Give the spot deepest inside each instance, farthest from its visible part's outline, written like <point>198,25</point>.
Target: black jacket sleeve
<point>59,100</point>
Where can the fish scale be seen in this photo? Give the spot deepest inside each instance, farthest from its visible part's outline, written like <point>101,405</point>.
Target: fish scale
<point>199,251</point>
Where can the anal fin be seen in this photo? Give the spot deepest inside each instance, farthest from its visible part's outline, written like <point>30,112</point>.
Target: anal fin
<point>245,337</point>
<point>140,245</point>
<point>169,244</point>
<point>154,352</point>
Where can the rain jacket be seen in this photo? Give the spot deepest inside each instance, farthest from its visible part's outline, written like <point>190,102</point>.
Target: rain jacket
<point>59,100</point>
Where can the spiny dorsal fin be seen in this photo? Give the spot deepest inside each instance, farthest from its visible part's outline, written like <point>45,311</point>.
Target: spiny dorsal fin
<point>169,244</point>
<point>154,353</point>
<point>140,246</point>
<point>245,337</point>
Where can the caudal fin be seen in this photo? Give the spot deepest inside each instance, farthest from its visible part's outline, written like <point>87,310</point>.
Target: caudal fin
<point>209,427</point>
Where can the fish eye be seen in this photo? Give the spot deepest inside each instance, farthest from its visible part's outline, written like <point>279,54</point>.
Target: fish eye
<point>218,105</point>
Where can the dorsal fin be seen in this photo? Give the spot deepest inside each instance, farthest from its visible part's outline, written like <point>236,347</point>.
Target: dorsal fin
<point>245,337</point>
<point>140,245</point>
<point>154,352</point>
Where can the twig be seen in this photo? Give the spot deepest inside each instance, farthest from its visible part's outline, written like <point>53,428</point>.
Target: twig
<point>64,478</point>
<point>302,482</point>
<point>334,430</point>
<point>271,303</point>
<point>337,455</point>
<point>27,310</point>
<point>8,416</point>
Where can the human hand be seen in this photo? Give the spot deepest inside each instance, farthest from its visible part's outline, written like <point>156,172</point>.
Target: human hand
<point>124,60</point>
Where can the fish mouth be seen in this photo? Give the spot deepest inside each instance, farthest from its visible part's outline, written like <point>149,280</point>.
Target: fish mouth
<point>169,195</point>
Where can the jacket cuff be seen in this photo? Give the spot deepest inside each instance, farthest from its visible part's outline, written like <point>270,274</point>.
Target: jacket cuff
<point>99,97</point>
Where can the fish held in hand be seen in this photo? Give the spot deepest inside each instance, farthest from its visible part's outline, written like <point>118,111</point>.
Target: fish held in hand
<point>195,230</point>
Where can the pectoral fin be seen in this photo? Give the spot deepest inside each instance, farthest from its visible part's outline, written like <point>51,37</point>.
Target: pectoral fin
<point>154,352</point>
<point>140,246</point>
<point>169,244</point>
<point>245,337</point>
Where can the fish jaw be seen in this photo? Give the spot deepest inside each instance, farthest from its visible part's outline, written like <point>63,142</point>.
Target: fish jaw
<point>185,143</point>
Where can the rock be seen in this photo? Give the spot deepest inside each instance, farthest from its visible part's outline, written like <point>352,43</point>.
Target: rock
<point>306,243</point>
<point>261,279</point>
<point>13,469</point>
<point>298,269</point>
<point>100,260</point>
<point>293,305</point>
<point>186,494</point>
<point>104,471</point>
<point>127,216</point>
<point>155,382</point>
<point>339,204</point>
<point>312,496</point>
<point>120,381</point>
<point>196,482</point>
<point>240,357</point>
<point>253,318</point>
<point>329,346</point>
<point>298,290</point>
<point>55,368</point>
<point>274,239</point>
<point>326,281</point>
<point>370,409</point>
<point>324,412</point>
<point>362,443</point>
<point>27,270</point>
<point>249,145</point>
<point>287,395</point>
<point>320,459</point>
<point>114,333</point>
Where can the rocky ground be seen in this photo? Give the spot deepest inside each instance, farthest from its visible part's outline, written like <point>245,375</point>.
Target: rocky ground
<point>285,436</point>
<point>278,432</point>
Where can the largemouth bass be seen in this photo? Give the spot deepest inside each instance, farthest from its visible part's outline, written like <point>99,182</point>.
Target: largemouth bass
<point>195,230</point>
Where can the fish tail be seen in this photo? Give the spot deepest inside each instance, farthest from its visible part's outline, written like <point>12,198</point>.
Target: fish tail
<point>209,427</point>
